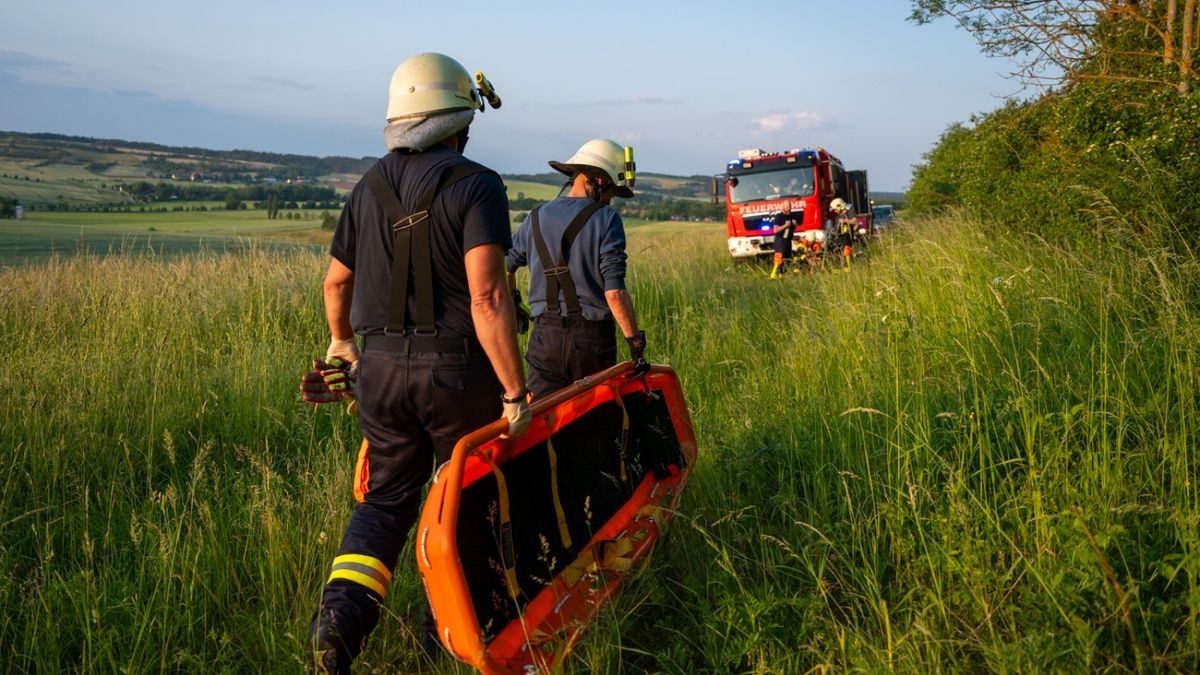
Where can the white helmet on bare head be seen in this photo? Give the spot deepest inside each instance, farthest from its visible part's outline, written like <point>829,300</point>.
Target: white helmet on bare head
<point>604,159</point>
<point>838,205</point>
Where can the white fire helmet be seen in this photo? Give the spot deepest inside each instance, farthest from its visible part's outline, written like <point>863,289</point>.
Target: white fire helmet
<point>431,84</point>
<point>614,161</point>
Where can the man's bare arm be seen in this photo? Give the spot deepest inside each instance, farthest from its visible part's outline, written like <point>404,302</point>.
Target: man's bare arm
<point>339,291</point>
<point>492,312</point>
<point>622,310</point>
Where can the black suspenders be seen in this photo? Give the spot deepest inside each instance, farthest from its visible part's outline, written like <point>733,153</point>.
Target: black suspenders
<point>559,275</point>
<point>411,251</point>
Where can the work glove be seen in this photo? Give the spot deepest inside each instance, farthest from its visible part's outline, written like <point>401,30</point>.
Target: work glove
<point>328,382</point>
<point>523,317</point>
<point>517,413</point>
<point>346,350</point>
<point>637,353</point>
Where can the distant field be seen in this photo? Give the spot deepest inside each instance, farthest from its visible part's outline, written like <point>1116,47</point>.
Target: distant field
<point>663,182</point>
<point>245,222</point>
<point>531,190</point>
<point>31,243</point>
<point>33,184</point>
<point>45,234</point>
<point>673,227</point>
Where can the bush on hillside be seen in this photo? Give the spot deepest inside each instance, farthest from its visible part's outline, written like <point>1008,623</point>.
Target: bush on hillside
<point>1117,148</point>
<point>1120,141</point>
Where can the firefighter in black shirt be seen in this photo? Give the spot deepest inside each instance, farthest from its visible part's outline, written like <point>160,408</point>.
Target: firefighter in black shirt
<point>417,272</point>
<point>785,227</point>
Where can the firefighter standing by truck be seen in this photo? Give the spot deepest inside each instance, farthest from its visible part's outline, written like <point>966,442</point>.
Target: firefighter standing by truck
<point>846,225</point>
<point>785,227</point>
<point>574,247</point>
<point>417,271</point>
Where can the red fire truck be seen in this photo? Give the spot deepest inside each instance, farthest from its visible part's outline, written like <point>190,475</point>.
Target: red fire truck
<point>758,184</point>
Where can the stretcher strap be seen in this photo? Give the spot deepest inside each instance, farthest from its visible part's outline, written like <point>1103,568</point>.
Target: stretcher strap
<point>362,570</point>
<point>616,390</point>
<point>563,532</point>
<point>614,555</point>
<point>508,555</point>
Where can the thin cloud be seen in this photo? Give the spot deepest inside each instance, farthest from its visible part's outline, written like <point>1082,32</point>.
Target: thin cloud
<point>283,82</point>
<point>790,121</point>
<point>138,94</point>
<point>635,100</point>
<point>12,62</point>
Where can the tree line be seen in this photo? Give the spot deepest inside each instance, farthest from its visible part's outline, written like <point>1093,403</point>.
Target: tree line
<point>294,165</point>
<point>191,192</point>
<point>650,207</point>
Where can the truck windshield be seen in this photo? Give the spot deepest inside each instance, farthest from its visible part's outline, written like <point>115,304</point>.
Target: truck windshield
<point>796,181</point>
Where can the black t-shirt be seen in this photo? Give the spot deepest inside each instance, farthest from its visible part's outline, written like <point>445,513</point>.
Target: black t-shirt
<point>471,212</point>
<point>788,219</point>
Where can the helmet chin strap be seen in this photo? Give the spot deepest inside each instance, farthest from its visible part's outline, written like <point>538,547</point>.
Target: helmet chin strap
<point>599,190</point>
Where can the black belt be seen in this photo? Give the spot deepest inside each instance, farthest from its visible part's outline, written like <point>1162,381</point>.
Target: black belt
<point>423,344</point>
<point>574,321</point>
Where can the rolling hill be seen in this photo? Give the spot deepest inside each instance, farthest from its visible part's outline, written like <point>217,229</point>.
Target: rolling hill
<point>56,171</point>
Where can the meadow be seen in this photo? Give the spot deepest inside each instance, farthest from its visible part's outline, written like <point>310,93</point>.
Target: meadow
<point>44,234</point>
<point>531,190</point>
<point>964,454</point>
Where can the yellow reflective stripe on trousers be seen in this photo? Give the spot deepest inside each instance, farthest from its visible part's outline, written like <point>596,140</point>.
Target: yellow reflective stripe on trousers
<point>363,570</point>
<point>563,533</point>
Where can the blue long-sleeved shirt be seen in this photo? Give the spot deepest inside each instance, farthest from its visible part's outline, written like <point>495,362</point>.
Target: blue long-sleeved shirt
<point>596,259</point>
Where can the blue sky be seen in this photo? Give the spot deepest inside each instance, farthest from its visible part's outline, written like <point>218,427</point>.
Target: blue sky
<point>686,83</point>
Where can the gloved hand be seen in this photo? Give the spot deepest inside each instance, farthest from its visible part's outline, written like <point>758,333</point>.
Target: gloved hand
<point>346,350</point>
<point>637,353</point>
<point>516,411</point>
<point>523,317</point>
<point>328,381</point>
<point>339,375</point>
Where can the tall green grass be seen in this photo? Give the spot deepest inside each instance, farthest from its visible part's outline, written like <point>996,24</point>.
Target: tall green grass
<point>963,454</point>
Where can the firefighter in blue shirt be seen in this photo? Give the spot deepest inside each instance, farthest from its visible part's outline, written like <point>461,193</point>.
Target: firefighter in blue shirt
<point>574,247</point>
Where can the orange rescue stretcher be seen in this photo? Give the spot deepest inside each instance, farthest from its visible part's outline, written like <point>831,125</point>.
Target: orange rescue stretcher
<point>521,541</point>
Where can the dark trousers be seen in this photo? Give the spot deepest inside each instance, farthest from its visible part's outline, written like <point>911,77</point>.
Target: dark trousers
<point>783,243</point>
<point>413,408</point>
<point>567,349</point>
